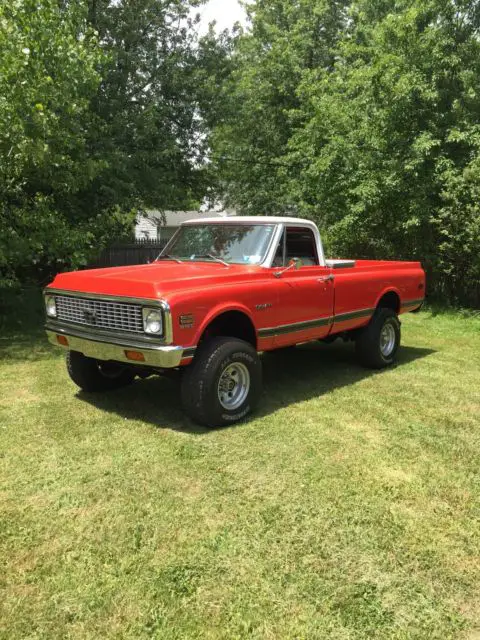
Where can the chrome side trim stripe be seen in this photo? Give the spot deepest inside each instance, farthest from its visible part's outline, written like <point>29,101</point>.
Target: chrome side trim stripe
<point>313,324</point>
<point>361,313</point>
<point>296,326</point>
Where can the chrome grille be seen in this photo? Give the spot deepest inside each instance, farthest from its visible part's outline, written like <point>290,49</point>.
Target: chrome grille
<point>100,313</point>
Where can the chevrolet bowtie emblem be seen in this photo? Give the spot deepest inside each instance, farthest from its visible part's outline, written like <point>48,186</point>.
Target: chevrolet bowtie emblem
<point>89,315</point>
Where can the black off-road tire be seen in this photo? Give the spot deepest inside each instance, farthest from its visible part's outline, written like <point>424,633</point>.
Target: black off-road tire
<point>87,373</point>
<point>201,380</point>
<point>369,340</point>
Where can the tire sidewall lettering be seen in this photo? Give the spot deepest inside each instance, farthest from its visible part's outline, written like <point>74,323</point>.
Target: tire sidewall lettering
<point>234,417</point>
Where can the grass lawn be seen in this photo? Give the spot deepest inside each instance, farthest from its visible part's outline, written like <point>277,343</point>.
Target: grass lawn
<point>347,507</point>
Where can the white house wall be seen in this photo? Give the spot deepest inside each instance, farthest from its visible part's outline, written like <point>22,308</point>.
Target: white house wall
<point>152,224</point>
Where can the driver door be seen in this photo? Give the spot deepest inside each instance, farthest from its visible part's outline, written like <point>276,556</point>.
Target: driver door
<point>305,294</point>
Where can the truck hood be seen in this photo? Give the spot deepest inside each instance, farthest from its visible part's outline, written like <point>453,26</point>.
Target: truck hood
<point>154,280</point>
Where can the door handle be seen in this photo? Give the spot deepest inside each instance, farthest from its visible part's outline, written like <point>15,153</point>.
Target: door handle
<point>329,278</point>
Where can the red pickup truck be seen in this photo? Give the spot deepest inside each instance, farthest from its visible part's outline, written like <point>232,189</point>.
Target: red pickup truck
<point>223,290</point>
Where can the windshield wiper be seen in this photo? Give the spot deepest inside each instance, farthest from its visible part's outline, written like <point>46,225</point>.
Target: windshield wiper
<point>212,257</point>
<point>166,256</point>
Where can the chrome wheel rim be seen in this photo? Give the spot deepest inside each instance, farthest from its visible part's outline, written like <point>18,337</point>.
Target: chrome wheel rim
<point>233,386</point>
<point>388,340</point>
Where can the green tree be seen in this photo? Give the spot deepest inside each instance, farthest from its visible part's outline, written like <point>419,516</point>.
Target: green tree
<point>391,140</point>
<point>48,75</point>
<point>148,127</point>
<point>261,101</point>
<point>363,117</point>
<point>100,116</point>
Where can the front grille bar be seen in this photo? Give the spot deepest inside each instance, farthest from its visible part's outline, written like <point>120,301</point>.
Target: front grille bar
<point>116,316</point>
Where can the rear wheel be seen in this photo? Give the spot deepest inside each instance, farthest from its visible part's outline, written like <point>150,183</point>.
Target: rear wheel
<point>377,344</point>
<point>96,375</point>
<point>224,382</point>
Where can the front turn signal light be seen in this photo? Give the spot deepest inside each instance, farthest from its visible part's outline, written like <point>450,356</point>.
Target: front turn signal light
<point>135,356</point>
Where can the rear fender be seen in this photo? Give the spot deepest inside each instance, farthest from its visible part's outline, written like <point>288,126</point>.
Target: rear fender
<point>386,291</point>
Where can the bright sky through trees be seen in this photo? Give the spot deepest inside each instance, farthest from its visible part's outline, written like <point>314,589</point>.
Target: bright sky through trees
<point>225,12</point>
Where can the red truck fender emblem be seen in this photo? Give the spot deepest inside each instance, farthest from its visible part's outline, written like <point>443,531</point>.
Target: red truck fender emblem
<point>187,320</point>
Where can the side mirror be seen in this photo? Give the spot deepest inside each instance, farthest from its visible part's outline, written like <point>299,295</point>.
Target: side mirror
<point>294,263</point>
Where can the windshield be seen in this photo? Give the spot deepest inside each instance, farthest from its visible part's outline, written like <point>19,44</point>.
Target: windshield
<point>232,243</point>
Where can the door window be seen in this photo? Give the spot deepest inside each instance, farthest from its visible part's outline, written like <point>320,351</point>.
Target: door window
<point>298,243</point>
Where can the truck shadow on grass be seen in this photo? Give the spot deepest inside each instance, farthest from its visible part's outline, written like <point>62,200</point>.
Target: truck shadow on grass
<point>290,376</point>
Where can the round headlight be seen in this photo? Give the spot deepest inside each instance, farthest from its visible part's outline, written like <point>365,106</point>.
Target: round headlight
<point>152,321</point>
<point>50,306</point>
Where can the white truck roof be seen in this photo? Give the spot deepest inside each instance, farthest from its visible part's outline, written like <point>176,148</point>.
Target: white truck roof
<point>252,220</point>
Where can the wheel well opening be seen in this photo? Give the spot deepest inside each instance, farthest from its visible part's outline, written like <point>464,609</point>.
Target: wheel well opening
<point>233,324</point>
<point>390,300</point>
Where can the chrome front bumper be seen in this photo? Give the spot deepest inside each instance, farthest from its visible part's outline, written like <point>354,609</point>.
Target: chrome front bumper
<point>104,347</point>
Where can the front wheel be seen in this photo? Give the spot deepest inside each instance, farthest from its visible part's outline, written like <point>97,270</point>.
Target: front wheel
<point>377,344</point>
<point>223,383</point>
<point>95,375</point>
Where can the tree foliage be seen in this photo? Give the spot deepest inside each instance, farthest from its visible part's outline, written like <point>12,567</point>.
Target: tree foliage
<point>100,116</point>
<point>287,40</point>
<point>360,114</point>
<point>148,125</point>
<point>49,60</point>
<point>368,124</point>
